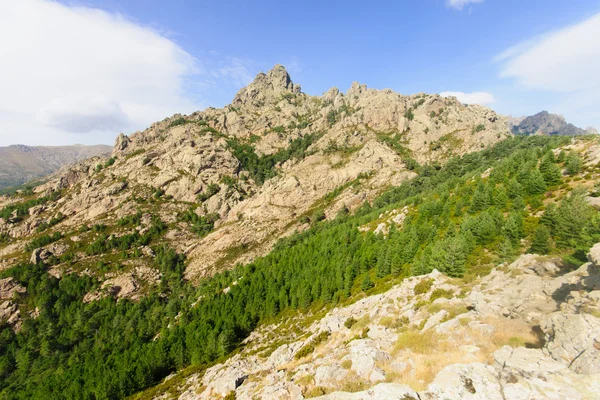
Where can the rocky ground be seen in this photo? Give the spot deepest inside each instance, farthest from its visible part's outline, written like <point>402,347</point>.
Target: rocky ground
<point>527,330</point>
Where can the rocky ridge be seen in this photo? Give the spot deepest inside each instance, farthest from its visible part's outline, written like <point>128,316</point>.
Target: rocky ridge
<point>356,144</point>
<point>544,123</point>
<point>527,330</point>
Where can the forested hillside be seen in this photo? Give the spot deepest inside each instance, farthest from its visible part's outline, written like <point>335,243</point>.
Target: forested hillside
<point>462,217</point>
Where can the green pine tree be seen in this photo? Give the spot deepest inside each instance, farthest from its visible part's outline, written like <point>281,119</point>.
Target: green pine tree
<point>456,256</point>
<point>536,183</point>
<point>573,164</point>
<point>541,240</point>
<point>550,171</point>
<point>366,283</point>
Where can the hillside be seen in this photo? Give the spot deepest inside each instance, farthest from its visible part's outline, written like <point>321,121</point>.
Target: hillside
<point>544,123</point>
<point>20,164</point>
<point>209,243</point>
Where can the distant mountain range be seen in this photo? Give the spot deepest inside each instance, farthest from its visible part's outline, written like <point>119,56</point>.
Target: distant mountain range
<point>544,123</point>
<point>20,163</point>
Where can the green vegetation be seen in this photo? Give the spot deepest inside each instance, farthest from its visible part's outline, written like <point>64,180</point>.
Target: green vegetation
<point>573,163</point>
<point>104,243</point>
<point>177,122</point>
<point>478,128</point>
<point>200,225</point>
<point>53,221</point>
<point>22,209</point>
<point>43,241</point>
<point>310,347</point>
<point>423,286</point>
<point>459,222</point>
<point>211,190</point>
<point>264,167</point>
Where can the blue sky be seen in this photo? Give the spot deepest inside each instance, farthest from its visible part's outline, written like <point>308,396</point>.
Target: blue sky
<point>109,66</point>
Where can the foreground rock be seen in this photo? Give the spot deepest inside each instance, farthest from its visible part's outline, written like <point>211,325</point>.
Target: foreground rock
<point>525,331</point>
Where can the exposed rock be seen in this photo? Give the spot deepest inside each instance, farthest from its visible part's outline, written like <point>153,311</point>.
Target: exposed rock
<point>594,255</point>
<point>382,391</point>
<point>8,288</point>
<point>121,143</point>
<point>544,123</point>
<point>510,304</point>
<point>574,339</point>
<point>330,375</point>
<point>116,188</point>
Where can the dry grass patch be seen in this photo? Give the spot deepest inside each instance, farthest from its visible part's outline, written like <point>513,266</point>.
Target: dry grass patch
<point>362,322</point>
<point>423,343</point>
<point>513,332</point>
<point>427,366</point>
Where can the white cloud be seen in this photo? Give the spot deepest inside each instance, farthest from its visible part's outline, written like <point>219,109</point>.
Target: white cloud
<point>76,74</point>
<point>482,98</point>
<point>565,60</point>
<point>564,64</point>
<point>459,4</point>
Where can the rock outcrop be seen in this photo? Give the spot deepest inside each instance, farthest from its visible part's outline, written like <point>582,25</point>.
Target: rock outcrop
<point>357,144</point>
<point>544,123</point>
<point>525,331</point>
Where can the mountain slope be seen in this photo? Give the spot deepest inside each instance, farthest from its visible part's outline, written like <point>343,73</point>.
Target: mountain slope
<point>20,164</point>
<point>264,165</point>
<point>167,255</point>
<point>544,123</point>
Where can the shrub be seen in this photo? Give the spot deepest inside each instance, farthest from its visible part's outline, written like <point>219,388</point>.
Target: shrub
<point>478,128</point>
<point>439,293</point>
<point>176,122</point>
<point>43,241</point>
<point>211,190</point>
<point>350,322</point>
<point>423,286</point>
<point>309,348</point>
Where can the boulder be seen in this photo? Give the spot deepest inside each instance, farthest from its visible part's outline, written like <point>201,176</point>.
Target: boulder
<point>330,375</point>
<point>573,339</point>
<point>435,319</point>
<point>474,381</point>
<point>9,287</point>
<point>594,255</point>
<point>364,354</point>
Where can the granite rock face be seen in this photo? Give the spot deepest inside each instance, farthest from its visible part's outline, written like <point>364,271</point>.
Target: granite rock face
<point>190,159</point>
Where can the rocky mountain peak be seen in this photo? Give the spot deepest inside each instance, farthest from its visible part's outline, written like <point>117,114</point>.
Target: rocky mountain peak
<point>266,88</point>
<point>545,123</point>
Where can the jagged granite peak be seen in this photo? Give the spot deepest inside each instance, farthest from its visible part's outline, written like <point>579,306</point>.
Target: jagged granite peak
<point>267,88</point>
<point>545,123</point>
<point>364,132</point>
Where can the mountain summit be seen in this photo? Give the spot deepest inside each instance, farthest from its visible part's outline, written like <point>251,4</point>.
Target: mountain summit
<point>266,87</point>
<point>544,123</point>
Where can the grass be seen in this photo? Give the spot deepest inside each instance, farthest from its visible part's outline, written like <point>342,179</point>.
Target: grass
<point>423,286</point>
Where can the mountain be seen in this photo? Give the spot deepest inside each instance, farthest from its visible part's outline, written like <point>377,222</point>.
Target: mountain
<point>20,163</point>
<point>544,123</point>
<point>223,253</point>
